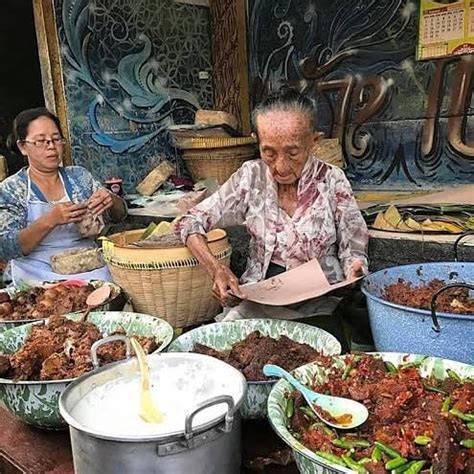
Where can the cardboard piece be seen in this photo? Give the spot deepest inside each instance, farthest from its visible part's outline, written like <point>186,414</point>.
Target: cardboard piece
<point>303,283</point>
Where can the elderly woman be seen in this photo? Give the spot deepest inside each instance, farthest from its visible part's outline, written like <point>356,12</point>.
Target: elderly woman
<point>295,207</point>
<point>43,206</point>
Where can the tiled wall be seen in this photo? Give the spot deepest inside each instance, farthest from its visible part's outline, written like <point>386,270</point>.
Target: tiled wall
<point>400,123</point>
<point>131,68</point>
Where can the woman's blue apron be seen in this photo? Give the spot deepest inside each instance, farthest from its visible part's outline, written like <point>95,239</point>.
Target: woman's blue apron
<point>35,267</point>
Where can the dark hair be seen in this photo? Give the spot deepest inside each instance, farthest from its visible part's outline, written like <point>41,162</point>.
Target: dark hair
<point>287,100</point>
<point>23,119</point>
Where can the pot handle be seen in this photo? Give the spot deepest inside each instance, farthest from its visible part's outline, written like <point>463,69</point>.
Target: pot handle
<point>229,417</point>
<point>456,242</point>
<point>434,317</point>
<point>105,340</point>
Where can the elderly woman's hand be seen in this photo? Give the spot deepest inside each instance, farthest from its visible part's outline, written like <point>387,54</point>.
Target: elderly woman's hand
<point>66,213</point>
<point>100,202</point>
<point>225,283</point>
<point>357,269</point>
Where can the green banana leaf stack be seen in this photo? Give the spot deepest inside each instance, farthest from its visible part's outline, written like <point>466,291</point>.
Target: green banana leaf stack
<point>421,218</point>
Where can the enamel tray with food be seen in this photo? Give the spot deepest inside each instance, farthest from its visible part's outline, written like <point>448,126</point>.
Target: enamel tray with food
<point>421,411</point>
<point>38,360</point>
<point>25,304</point>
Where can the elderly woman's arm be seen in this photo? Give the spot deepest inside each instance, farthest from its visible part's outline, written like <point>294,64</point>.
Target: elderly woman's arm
<point>352,233</point>
<point>225,207</point>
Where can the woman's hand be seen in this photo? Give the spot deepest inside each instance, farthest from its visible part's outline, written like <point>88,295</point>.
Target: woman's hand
<point>357,269</point>
<point>66,213</point>
<point>100,202</point>
<point>224,283</point>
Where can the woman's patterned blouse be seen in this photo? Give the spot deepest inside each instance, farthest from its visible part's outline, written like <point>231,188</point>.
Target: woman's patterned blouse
<point>327,224</point>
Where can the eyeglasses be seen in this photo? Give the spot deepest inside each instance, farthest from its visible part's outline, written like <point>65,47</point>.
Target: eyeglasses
<point>44,143</point>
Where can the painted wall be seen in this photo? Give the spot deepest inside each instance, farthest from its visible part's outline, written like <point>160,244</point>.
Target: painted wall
<point>130,70</point>
<point>401,123</point>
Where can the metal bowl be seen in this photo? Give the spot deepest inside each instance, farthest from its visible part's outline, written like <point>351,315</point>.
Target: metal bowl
<point>307,461</point>
<point>222,336</point>
<point>36,402</point>
<point>14,290</point>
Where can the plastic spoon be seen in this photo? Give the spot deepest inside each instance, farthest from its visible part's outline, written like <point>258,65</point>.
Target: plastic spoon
<point>149,412</point>
<point>96,298</point>
<point>344,412</point>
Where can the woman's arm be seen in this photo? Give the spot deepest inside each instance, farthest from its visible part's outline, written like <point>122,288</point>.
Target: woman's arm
<point>64,213</point>
<point>352,233</point>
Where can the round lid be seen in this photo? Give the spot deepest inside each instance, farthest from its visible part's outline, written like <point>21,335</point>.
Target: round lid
<point>106,402</point>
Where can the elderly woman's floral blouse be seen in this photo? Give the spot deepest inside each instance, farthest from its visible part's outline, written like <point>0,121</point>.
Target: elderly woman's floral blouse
<point>327,224</point>
<point>13,204</point>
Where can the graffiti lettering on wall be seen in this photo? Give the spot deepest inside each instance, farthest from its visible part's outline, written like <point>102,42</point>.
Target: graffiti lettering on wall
<point>400,122</point>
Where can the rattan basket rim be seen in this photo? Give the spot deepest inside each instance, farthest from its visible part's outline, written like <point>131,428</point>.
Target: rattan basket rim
<point>216,142</point>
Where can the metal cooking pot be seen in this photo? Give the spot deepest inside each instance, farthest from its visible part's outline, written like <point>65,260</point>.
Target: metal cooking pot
<point>398,328</point>
<point>201,432</point>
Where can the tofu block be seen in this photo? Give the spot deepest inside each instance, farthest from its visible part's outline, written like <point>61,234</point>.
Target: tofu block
<point>155,179</point>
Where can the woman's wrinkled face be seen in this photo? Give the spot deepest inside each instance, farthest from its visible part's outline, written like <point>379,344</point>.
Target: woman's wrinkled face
<point>285,142</point>
<point>42,144</point>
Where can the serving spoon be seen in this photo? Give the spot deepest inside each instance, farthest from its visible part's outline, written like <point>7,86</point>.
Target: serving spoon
<point>95,299</point>
<point>149,412</point>
<point>338,412</point>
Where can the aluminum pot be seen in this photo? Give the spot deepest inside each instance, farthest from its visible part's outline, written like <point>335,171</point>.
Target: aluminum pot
<point>200,397</point>
<point>398,328</point>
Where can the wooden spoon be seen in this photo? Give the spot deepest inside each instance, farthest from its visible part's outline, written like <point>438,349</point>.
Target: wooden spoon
<point>95,299</point>
<point>149,412</point>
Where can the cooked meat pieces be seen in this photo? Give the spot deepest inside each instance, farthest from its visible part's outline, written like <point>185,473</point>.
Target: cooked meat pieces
<point>455,300</point>
<point>40,302</point>
<point>62,349</point>
<point>4,365</point>
<point>252,353</point>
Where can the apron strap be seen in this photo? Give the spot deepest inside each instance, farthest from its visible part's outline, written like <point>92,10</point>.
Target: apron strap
<point>37,191</point>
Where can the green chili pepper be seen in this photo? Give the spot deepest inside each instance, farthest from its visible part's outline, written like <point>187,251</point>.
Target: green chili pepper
<point>394,463</point>
<point>393,453</point>
<point>290,407</point>
<point>470,426</point>
<point>376,454</point>
<point>341,444</point>
<point>331,458</point>
<point>309,413</point>
<point>446,404</point>
<point>467,443</point>
<point>431,388</point>
<point>415,468</point>
<point>351,464</point>
<point>453,375</point>
<point>357,442</point>
<point>403,469</point>
<point>346,371</point>
<point>391,368</point>
<point>423,440</point>
<point>463,416</point>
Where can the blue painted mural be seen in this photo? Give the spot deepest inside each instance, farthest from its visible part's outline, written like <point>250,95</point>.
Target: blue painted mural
<point>401,123</point>
<point>130,70</point>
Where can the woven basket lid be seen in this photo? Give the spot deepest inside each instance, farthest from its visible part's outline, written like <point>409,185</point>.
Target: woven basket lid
<point>216,142</point>
<point>117,247</point>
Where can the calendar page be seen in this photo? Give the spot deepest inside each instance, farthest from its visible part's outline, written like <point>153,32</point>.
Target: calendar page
<point>446,28</point>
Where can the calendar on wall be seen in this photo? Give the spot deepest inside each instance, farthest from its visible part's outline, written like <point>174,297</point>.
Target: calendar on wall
<point>446,28</point>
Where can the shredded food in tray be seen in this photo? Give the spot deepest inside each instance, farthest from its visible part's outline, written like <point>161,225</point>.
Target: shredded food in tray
<point>61,349</point>
<point>40,302</point>
<point>455,300</point>
<point>415,424</point>
<point>252,353</point>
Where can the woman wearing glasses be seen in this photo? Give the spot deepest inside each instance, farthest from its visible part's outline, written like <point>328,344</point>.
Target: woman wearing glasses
<point>42,203</point>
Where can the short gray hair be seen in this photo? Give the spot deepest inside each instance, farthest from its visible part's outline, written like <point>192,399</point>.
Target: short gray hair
<point>286,100</point>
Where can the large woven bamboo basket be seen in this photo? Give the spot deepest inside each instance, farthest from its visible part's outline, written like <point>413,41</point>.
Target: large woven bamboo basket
<point>217,157</point>
<point>165,282</point>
